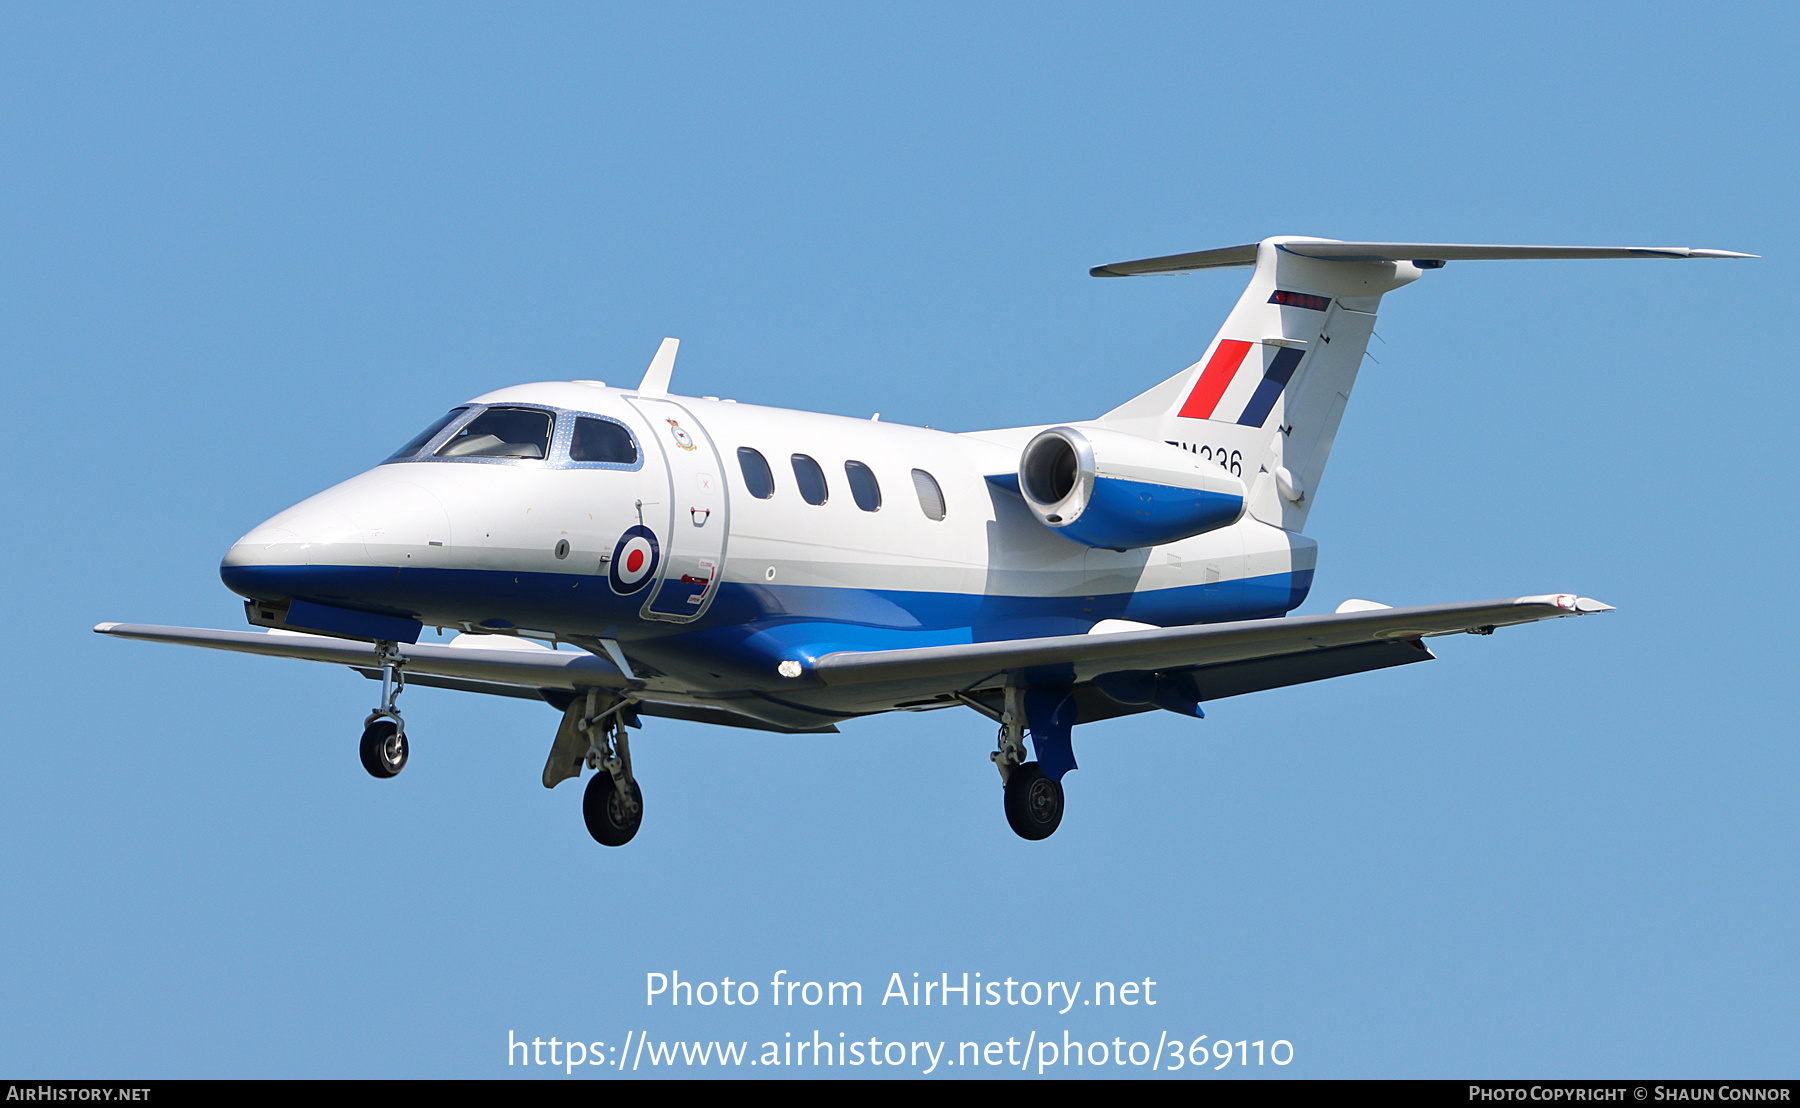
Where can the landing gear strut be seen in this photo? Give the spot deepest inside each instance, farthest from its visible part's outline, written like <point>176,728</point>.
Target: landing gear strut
<point>1033,802</point>
<point>383,746</point>
<point>613,805</point>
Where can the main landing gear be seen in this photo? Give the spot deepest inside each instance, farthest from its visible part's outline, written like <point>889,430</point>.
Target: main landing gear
<point>383,745</point>
<point>1034,802</point>
<point>593,736</point>
<point>613,806</point>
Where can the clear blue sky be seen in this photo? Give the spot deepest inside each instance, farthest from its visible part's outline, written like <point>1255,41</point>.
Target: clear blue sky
<point>250,249</point>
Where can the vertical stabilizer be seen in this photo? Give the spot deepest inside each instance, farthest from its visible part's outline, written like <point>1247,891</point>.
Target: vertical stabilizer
<point>1265,400</point>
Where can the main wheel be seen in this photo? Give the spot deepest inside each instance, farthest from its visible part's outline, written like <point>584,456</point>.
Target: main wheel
<point>383,748</point>
<point>604,811</point>
<point>1034,803</point>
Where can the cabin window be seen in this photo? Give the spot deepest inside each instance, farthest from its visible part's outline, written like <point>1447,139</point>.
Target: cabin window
<point>759,479</point>
<point>419,440</point>
<point>931,498</point>
<point>502,433</point>
<point>864,489</point>
<point>811,480</point>
<point>602,440</point>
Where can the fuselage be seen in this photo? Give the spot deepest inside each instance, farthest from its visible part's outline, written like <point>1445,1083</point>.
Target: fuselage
<point>686,529</point>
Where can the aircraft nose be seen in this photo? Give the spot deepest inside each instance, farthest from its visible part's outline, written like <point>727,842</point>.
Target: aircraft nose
<point>369,521</point>
<point>279,558</point>
<point>305,534</point>
<point>254,548</point>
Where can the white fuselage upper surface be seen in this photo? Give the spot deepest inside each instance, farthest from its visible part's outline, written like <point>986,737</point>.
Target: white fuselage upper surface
<point>543,545</point>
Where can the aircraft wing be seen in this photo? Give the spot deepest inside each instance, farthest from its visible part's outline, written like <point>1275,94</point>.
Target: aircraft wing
<point>1115,672</point>
<point>529,672</point>
<point>1220,659</point>
<point>529,667</point>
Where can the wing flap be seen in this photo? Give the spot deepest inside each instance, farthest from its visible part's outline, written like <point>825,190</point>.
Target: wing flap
<point>1259,674</point>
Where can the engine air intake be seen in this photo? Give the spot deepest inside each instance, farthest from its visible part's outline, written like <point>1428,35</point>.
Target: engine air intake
<point>1108,489</point>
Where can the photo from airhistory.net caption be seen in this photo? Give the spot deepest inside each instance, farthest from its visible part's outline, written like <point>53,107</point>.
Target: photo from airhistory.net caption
<point>831,1028</point>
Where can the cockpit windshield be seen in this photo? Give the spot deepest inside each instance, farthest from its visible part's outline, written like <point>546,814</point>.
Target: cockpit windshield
<point>418,441</point>
<point>502,433</point>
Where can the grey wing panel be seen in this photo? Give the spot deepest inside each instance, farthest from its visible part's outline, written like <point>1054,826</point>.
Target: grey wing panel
<point>704,713</point>
<point>551,669</point>
<point>487,688</point>
<point>1238,678</point>
<point>661,709</point>
<point>546,675</point>
<point>1077,658</point>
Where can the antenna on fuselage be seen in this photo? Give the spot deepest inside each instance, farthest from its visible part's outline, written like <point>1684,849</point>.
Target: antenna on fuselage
<point>662,367</point>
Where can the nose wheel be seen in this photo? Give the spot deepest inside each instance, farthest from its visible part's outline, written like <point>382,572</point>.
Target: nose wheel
<point>383,747</point>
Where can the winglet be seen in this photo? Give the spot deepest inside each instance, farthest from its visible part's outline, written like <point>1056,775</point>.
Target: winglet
<point>662,367</point>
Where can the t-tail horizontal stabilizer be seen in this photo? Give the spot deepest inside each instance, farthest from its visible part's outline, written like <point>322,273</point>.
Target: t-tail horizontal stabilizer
<point>1415,252</point>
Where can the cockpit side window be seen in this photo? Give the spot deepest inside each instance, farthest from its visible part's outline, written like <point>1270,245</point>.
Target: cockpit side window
<point>418,441</point>
<point>601,440</point>
<point>502,433</point>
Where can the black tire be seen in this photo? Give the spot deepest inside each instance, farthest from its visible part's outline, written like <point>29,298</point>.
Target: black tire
<point>382,756</point>
<point>1034,803</point>
<point>605,815</point>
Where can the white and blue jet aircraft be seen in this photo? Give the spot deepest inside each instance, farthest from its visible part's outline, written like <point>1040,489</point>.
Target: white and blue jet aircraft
<point>786,571</point>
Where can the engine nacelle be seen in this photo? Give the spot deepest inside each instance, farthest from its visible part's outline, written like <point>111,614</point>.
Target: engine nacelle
<point>1109,489</point>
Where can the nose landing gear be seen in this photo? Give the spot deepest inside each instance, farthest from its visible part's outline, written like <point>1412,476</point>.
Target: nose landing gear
<point>383,746</point>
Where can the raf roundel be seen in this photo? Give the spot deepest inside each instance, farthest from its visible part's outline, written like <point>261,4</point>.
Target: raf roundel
<point>634,561</point>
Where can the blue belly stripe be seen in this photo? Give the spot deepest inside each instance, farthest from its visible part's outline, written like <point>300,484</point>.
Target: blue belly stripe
<point>752,622</point>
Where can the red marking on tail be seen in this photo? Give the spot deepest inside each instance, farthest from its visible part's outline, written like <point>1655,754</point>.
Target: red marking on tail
<point>1215,379</point>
